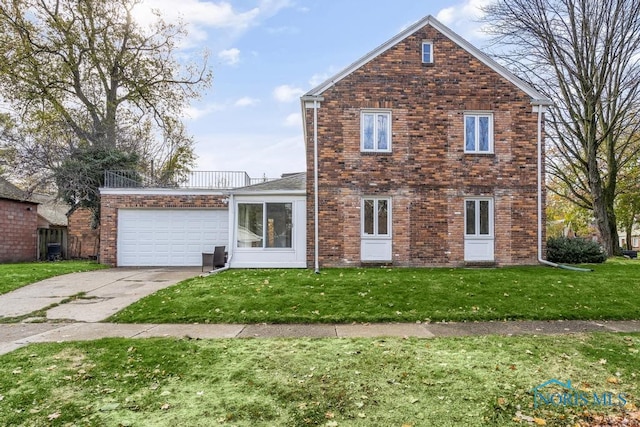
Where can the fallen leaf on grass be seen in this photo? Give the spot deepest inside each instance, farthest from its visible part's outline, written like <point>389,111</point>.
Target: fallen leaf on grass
<point>53,416</point>
<point>613,380</point>
<point>540,422</point>
<point>522,417</point>
<point>109,407</point>
<point>329,415</point>
<point>165,407</point>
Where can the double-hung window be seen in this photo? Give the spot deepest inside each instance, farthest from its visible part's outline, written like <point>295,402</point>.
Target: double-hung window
<point>264,225</point>
<point>375,131</point>
<point>427,52</point>
<point>478,133</point>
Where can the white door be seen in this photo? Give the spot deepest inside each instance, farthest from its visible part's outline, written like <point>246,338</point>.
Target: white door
<point>478,233</point>
<point>169,237</point>
<point>376,241</point>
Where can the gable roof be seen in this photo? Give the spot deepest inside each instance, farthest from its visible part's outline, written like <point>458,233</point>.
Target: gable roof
<point>291,184</point>
<point>536,97</point>
<point>11,192</point>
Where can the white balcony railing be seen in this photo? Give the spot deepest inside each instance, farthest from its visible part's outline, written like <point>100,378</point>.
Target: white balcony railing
<point>218,180</point>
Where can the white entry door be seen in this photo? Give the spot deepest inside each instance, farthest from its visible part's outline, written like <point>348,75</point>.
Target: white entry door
<point>169,237</point>
<point>479,239</point>
<point>375,243</point>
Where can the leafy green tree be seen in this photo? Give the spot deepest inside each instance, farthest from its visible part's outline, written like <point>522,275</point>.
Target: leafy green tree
<point>584,55</point>
<point>79,176</point>
<point>84,75</point>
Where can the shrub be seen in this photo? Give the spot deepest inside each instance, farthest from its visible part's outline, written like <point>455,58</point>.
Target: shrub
<point>574,250</point>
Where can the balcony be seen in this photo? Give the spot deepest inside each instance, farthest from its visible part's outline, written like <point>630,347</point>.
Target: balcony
<point>206,180</point>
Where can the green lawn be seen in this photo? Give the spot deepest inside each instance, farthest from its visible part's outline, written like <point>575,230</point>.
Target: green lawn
<point>612,291</point>
<point>14,276</point>
<point>477,381</point>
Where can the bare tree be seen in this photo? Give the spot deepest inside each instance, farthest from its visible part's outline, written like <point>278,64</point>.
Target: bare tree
<point>83,73</point>
<point>583,54</point>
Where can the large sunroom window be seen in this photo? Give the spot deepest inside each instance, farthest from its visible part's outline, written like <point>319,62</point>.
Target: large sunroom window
<point>264,225</point>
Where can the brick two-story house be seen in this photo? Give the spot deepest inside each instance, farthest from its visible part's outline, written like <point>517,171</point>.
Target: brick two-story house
<point>424,152</point>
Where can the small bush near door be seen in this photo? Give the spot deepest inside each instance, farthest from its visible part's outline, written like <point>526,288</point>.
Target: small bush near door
<point>574,251</point>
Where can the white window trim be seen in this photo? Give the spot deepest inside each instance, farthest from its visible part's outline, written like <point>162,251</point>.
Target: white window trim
<point>264,221</point>
<point>389,133</point>
<point>477,234</point>
<point>430,44</point>
<point>375,218</point>
<point>477,114</point>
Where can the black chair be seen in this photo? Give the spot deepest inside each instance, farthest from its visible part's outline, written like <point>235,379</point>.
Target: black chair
<point>219,257</point>
<point>214,260</point>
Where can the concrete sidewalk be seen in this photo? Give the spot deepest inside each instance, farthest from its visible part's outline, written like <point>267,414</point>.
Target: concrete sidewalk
<point>13,336</point>
<point>104,292</point>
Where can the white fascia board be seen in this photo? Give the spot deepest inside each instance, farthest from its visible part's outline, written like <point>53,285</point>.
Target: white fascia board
<point>162,192</point>
<point>537,97</point>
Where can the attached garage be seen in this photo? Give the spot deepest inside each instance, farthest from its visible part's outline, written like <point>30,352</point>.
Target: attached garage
<point>169,237</point>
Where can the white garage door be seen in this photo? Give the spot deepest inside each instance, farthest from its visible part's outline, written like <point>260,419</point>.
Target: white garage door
<point>169,237</point>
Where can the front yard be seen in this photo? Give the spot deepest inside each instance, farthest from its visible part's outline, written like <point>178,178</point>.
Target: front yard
<point>612,291</point>
<point>479,381</point>
<point>17,275</point>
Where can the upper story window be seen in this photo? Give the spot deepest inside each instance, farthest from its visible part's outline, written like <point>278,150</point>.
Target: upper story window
<point>427,52</point>
<point>478,133</point>
<point>375,131</point>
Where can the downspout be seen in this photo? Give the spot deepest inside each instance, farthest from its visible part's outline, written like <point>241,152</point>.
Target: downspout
<point>316,234</point>
<point>541,260</point>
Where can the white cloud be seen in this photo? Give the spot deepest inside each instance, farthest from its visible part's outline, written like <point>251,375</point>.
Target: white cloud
<point>318,78</point>
<point>463,18</point>
<point>286,93</point>
<point>195,113</point>
<point>246,101</point>
<point>293,120</point>
<point>230,56</point>
<point>200,15</point>
<point>258,154</point>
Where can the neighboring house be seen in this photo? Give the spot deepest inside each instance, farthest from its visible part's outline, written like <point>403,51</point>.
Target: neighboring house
<point>261,225</point>
<point>426,153</point>
<point>52,227</point>
<point>19,224</point>
<point>635,239</point>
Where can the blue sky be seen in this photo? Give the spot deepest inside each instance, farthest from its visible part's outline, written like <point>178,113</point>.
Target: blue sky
<point>266,53</point>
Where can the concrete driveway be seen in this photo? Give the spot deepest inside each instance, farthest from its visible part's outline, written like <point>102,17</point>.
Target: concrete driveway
<point>105,292</point>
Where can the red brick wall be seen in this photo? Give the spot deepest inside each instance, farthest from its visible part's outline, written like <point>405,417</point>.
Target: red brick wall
<point>19,225</point>
<point>110,204</point>
<point>83,239</point>
<point>428,175</point>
